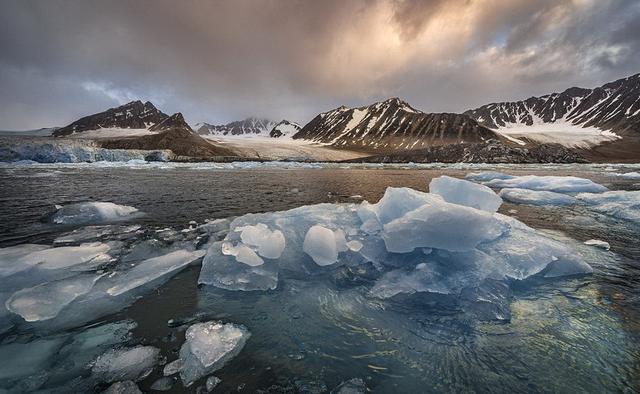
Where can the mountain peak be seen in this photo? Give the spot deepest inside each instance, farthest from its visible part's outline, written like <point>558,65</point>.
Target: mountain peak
<point>248,126</point>
<point>132,115</point>
<point>175,121</point>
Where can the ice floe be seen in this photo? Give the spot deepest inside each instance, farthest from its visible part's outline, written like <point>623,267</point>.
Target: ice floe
<point>59,363</point>
<point>598,244</point>
<point>92,213</point>
<point>618,204</point>
<point>208,347</point>
<point>152,269</point>
<point>125,364</point>
<point>558,184</point>
<point>45,301</point>
<point>533,197</point>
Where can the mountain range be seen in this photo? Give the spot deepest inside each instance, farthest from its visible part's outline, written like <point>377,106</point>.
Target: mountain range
<point>249,126</point>
<point>614,107</point>
<point>600,124</point>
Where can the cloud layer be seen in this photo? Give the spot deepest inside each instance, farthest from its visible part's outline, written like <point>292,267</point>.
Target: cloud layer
<point>223,60</point>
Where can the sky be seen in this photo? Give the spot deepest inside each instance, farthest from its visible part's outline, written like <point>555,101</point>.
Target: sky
<point>218,61</point>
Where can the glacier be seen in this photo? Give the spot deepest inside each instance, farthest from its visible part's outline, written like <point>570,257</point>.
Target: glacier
<point>48,150</point>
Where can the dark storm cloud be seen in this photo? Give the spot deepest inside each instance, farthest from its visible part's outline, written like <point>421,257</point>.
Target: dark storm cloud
<point>221,60</point>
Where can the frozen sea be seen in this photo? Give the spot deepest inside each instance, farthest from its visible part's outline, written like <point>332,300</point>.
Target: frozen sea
<point>572,334</point>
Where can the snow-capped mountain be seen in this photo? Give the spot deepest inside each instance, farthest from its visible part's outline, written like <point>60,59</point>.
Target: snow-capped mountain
<point>133,115</point>
<point>577,117</point>
<point>391,125</point>
<point>284,129</point>
<point>249,126</point>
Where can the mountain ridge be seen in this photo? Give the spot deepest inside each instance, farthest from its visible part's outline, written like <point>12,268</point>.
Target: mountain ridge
<point>132,115</point>
<point>391,125</point>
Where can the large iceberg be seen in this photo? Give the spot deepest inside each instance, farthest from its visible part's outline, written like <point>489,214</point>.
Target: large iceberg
<point>408,242</point>
<point>208,347</point>
<point>462,192</point>
<point>93,212</point>
<point>558,184</point>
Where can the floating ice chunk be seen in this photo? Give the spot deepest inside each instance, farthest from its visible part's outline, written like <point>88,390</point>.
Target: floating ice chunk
<point>441,225</point>
<point>126,387</point>
<point>630,175</point>
<point>598,244</point>
<point>163,384</point>
<point>354,245</point>
<point>212,382</point>
<point>270,244</point>
<point>215,226</point>
<point>93,212</point>
<point>45,301</point>
<point>173,367</point>
<point>93,233</point>
<point>125,364</point>
<point>208,347</point>
<point>558,184</point>
<point>532,197</point>
<point>320,244</point>
<point>153,268</point>
<point>486,176</point>
<point>13,259</point>
<point>461,192</point>
<point>619,204</point>
<point>22,257</point>
<point>69,256</point>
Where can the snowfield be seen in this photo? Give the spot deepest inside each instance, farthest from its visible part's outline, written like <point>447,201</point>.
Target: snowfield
<point>563,133</point>
<point>266,148</point>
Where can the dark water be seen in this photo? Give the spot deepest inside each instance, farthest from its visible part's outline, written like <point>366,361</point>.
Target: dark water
<point>575,335</point>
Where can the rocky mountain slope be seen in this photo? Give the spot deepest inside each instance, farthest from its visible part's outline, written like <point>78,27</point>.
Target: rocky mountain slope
<point>490,151</point>
<point>174,134</point>
<point>284,129</point>
<point>604,114</point>
<point>249,126</point>
<point>133,115</point>
<point>391,125</point>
